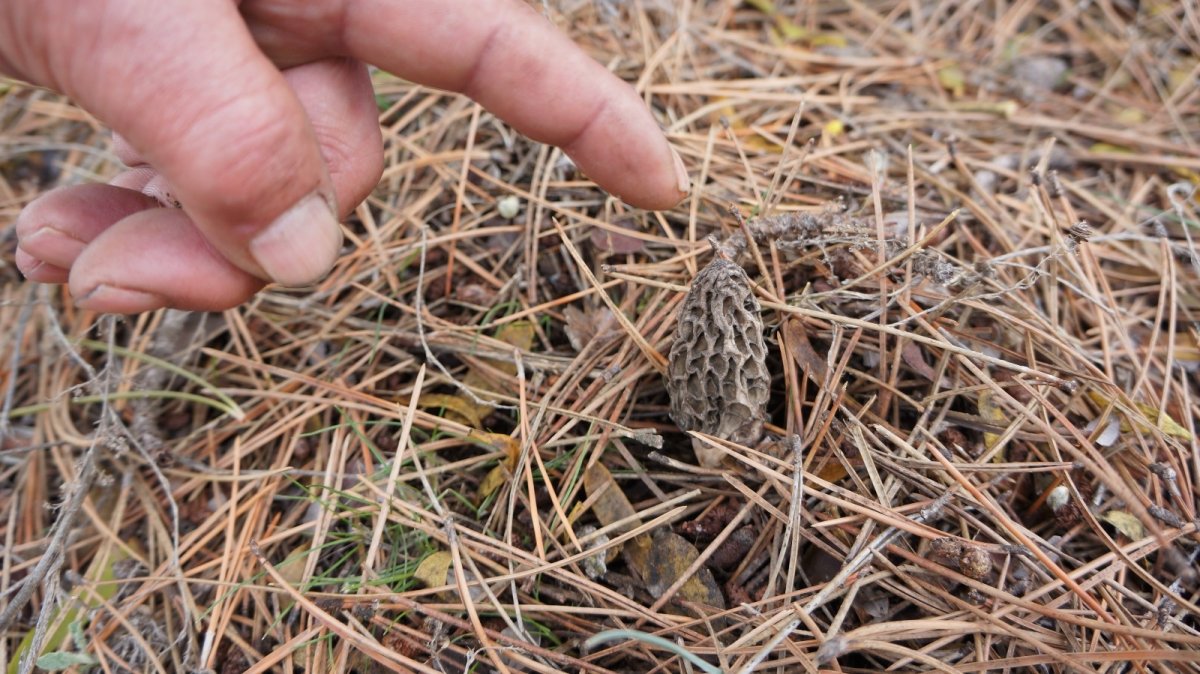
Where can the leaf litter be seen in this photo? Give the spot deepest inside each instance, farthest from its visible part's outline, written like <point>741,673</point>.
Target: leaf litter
<point>972,239</point>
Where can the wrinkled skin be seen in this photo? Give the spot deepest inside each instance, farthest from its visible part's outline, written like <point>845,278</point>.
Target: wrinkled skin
<point>258,120</point>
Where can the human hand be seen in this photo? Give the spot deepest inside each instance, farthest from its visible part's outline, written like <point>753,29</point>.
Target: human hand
<point>258,118</point>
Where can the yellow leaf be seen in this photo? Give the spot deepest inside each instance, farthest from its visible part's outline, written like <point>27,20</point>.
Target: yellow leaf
<point>464,411</point>
<point>434,570</point>
<point>784,30</point>
<point>1130,117</point>
<point>829,40</point>
<point>502,473</point>
<point>789,31</point>
<point>1164,422</point>
<point>1005,109</point>
<point>991,413</point>
<point>1189,175</point>
<point>764,6</point>
<point>612,506</point>
<point>495,479</point>
<point>952,79</point>
<point>1150,418</point>
<point>519,333</point>
<point>1109,148</point>
<point>834,127</point>
<point>1129,526</point>
<point>670,556</point>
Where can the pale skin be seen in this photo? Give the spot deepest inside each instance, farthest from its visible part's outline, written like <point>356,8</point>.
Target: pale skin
<point>259,120</point>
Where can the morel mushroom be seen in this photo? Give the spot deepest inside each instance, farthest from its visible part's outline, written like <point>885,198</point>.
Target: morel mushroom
<point>717,377</point>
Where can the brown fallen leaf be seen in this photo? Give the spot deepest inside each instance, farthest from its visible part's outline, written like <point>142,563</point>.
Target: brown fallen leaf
<point>596,324</point>
<point>612,506</point>
<point>659,560</point>
<point>670,556</point>
<point>914,357</point>
<point>803,352</point>
<point>503,471</point>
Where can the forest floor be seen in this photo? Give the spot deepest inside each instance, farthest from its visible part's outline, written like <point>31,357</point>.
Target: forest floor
<point>975,254</point>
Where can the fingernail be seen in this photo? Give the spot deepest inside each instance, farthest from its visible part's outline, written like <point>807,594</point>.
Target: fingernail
<point>681,175</point>
<point>48,243</point>
<point>114,300</point>
<point>301,245</point>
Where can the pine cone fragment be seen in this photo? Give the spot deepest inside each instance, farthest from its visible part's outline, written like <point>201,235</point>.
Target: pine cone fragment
<point>717,377</point>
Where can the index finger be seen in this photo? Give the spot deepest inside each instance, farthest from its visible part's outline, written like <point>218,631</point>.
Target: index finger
<point>507,57</point>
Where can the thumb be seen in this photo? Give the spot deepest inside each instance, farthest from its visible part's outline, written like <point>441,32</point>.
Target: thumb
<point>185,84</point>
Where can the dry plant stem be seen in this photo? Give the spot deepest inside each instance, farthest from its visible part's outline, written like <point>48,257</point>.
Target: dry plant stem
<point>52,557</point>
<point>41,629</point>
<point>16,335</point>
<point>389,494</point>
<point>790,545</point>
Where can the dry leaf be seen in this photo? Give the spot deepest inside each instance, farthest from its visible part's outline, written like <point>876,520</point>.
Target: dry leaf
<point>434,570</point>
<point>658,561</point>
<point>1149,414</point>
<point>456,407</point>
<point>520,335</point>
<point>785,30</point>
<point>802,350</point>
<point>502,472</point>
<point>597,324</point>
<point>612,506</point>
<point>991,413</point>
<point>832,471</point>
<point>952,79</point>
<point>914,357</point>
<point>670,556</point>
<point>1129,526</point>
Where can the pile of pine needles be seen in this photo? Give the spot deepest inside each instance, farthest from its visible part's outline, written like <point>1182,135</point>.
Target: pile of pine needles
<point>971,226</point>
